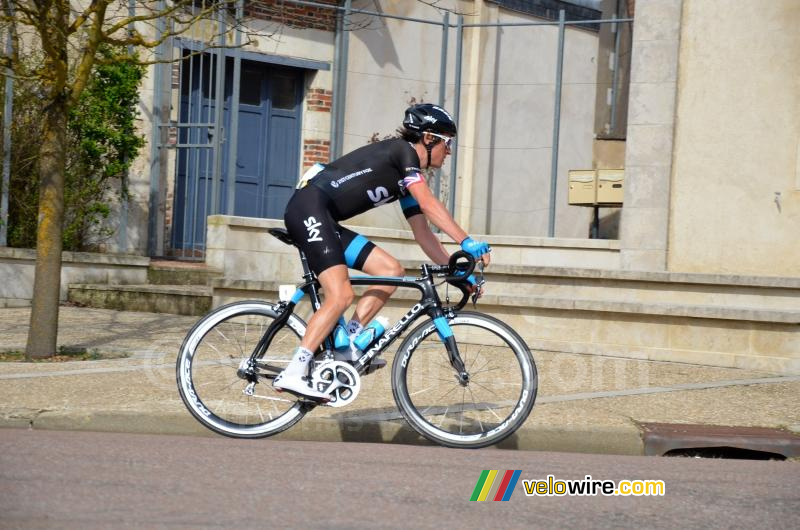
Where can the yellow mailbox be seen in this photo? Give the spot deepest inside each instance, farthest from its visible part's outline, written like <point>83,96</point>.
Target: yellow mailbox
<point>582,186</point>
<point>610,189</point>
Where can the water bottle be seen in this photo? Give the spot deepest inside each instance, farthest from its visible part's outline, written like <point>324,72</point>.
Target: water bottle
<point>371,333</point>
<point>341,340</point>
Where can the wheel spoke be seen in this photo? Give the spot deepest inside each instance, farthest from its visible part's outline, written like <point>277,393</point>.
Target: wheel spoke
<point>271,398</point>
<point>216,350</point>
<point>422,391</point>
<point>482,367</point>
<point>444,416</point>
<point>461,425</point>
<point>490,409</point>
<point>485,388</point>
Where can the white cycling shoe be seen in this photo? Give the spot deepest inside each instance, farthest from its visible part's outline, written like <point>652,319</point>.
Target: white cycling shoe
<point>298,384</point>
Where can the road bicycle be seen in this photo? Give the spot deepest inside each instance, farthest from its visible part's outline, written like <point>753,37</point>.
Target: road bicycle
<point>460,378</point>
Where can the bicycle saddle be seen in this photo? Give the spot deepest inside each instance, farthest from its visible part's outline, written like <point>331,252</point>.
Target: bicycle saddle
<point>282,235</point>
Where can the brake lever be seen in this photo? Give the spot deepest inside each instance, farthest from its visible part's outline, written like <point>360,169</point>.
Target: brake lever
<point>479,282</point>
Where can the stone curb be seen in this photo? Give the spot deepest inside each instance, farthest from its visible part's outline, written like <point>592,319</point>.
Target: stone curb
<point>619,440</point>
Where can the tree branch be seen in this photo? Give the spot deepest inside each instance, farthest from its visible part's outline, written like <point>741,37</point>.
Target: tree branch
<point>174,13</point>
<point>82,18</point>
<point>95,37</point>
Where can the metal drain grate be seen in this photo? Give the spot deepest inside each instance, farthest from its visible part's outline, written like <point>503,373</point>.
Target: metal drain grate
<point>735,442</point>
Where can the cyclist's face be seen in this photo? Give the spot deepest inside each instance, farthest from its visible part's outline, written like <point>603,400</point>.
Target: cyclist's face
<point>440,150</point>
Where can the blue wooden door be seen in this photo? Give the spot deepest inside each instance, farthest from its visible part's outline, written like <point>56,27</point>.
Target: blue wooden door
<point>268,146</point>
<point>283,142</point>
<point>253,126</point>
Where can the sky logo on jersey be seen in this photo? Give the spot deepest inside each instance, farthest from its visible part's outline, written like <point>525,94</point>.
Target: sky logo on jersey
<point>494,485</point>
<point>312,226</point>
<point>379,195</point>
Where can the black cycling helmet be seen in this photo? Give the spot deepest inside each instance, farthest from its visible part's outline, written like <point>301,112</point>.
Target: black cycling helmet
<point>427,117</point>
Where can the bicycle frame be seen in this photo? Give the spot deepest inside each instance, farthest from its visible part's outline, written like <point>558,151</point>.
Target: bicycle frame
<point>429,303</point>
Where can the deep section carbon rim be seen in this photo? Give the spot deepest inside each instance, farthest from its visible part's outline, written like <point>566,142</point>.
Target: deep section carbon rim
<point>496,401</point>
<point>207,371</point>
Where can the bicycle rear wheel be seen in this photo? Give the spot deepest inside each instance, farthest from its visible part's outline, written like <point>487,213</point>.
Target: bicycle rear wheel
<point>494,403</point>
<point>207,371</point>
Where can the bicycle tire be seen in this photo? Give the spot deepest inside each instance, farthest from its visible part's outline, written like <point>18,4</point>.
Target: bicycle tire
<point>206,371</point>
<point>503,378</point>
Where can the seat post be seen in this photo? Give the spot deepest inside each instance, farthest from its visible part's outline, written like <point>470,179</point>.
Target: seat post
<point>307,274</point>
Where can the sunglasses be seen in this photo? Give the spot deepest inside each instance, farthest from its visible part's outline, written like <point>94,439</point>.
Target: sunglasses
<point>448,140</point>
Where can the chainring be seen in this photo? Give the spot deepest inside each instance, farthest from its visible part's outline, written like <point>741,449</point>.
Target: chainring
<point>339,380</point>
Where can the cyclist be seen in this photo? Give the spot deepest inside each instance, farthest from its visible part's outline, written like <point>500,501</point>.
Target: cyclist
<point>366,178</point>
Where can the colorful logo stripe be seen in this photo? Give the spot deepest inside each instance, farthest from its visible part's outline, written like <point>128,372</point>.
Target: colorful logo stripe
<point>494,486</point>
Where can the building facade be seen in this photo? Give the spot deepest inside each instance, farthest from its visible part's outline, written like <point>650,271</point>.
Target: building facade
<point>287,99</point>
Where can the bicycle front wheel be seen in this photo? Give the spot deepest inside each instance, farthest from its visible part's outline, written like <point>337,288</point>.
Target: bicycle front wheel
<point>495,401</point>
<point>210,357</point>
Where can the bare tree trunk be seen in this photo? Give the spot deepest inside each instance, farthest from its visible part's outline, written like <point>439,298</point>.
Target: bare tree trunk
<point>43,329</point>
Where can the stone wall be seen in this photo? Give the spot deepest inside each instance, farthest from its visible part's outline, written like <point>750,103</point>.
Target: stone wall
<point>506,115</point>
<point>713,149</point>
<point>651,124</point>
<point>17,267</point>
<point>735,205</point>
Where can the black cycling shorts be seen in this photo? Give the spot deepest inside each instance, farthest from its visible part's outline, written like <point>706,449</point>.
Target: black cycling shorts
<point>323,240</point>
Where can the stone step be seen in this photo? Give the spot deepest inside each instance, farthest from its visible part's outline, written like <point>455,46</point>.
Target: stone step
<point>165,272</point>
<point>174,299</point>
<point>631,288</point>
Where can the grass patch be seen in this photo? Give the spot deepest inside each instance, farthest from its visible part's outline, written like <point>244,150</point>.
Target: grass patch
<point>64,354</point>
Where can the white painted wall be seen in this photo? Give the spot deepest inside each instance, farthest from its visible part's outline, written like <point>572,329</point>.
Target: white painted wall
<point>737,140</point>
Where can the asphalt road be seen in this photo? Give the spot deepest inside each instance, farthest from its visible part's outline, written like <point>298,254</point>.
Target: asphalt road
<point>56,479</point>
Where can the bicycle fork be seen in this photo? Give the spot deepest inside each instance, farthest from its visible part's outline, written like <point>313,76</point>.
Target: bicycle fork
<point>446,335</point>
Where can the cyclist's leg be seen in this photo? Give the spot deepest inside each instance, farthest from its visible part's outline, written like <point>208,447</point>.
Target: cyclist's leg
<point>379,263</point>
<point>309,222</point>
<point>312,227</point>
<point>335,282</point>
<point>363,255</point>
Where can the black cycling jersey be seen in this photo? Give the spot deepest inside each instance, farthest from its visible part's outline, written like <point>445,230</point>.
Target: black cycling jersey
<point>370,176</point>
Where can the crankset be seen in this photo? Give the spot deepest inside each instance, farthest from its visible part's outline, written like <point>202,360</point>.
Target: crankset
<point>339,380</point>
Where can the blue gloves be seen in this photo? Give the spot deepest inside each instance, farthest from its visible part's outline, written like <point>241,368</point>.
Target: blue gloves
<point>475,248</point>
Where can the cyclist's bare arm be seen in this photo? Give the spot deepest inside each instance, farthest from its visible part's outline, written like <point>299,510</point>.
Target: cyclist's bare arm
<point>436,213</point>
<point>427,240</point>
